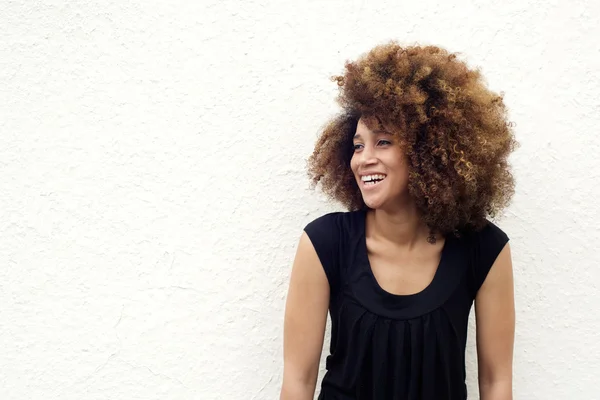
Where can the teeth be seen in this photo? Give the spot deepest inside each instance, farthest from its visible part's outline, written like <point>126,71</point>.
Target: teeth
<point>369,178</point>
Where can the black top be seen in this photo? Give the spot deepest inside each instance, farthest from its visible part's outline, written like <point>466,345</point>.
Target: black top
<point>387,346</point>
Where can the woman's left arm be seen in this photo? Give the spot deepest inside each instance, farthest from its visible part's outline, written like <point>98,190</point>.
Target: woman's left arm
<point>495,316</point>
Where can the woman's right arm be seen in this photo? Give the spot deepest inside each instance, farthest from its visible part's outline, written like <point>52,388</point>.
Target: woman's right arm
<point>304,324</point>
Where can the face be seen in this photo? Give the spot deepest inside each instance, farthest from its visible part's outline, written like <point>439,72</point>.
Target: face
<point>379,167</point>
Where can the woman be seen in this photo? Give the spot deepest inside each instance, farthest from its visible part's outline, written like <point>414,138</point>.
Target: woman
<point>419,158</point>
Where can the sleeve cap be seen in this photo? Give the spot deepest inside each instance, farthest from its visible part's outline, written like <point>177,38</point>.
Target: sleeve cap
<point>486,246</point>
<point>324,233</point>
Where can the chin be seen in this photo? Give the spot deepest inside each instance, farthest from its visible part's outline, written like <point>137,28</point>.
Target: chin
<point>383,202</point>
<point>373,203</point>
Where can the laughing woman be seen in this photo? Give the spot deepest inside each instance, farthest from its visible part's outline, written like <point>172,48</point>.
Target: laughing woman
<point>418,157</point>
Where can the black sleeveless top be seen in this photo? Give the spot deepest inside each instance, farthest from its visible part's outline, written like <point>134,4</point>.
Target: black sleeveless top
<point>386,346</point>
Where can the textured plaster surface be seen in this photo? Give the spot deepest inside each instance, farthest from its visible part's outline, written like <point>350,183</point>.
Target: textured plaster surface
<point>153,189</point>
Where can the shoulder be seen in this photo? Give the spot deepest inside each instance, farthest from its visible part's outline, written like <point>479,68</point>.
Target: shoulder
<point>325,221</point>
<point>333,223</point>
<point>329,235</point>
<point>483,247</point>
<point>489,236</point>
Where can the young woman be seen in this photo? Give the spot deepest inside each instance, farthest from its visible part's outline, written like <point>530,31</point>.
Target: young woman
<point>419,158</point>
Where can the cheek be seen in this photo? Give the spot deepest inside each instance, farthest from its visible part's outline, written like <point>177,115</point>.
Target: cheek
<point>401,163</point>
<point>401,174</point>
<point>353,165</point>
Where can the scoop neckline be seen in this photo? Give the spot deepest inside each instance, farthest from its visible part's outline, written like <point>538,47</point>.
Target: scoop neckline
<point>379,288</point>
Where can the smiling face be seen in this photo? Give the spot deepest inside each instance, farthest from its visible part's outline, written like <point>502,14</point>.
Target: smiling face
<point>379,167</point>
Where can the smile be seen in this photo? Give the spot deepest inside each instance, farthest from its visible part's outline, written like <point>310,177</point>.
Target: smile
<point>372,180</point>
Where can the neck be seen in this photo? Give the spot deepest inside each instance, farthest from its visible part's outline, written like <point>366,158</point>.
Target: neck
<point>402,226</point>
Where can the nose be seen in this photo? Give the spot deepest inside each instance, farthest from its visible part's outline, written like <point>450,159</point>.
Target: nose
<point>368,156</point>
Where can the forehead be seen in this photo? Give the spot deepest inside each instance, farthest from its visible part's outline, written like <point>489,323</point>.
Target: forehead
<point>371,126</point>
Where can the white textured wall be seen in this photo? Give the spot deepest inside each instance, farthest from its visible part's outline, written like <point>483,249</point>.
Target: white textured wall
<point>152,184</point>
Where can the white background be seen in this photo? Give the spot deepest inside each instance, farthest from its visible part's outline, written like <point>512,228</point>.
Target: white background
<point>153,185</point>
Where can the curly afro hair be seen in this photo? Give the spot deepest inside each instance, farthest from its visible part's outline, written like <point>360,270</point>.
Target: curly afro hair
<point>454,130</point>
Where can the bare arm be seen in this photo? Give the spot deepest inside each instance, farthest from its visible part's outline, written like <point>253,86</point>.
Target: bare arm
<point>304,325</point>
<point>495,313</point>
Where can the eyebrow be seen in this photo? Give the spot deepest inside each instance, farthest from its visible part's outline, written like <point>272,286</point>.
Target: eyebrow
<point>358,136</point>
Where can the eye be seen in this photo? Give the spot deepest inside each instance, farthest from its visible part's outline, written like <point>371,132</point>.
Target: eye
<point>384,142</point>
<point>357,146</point>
